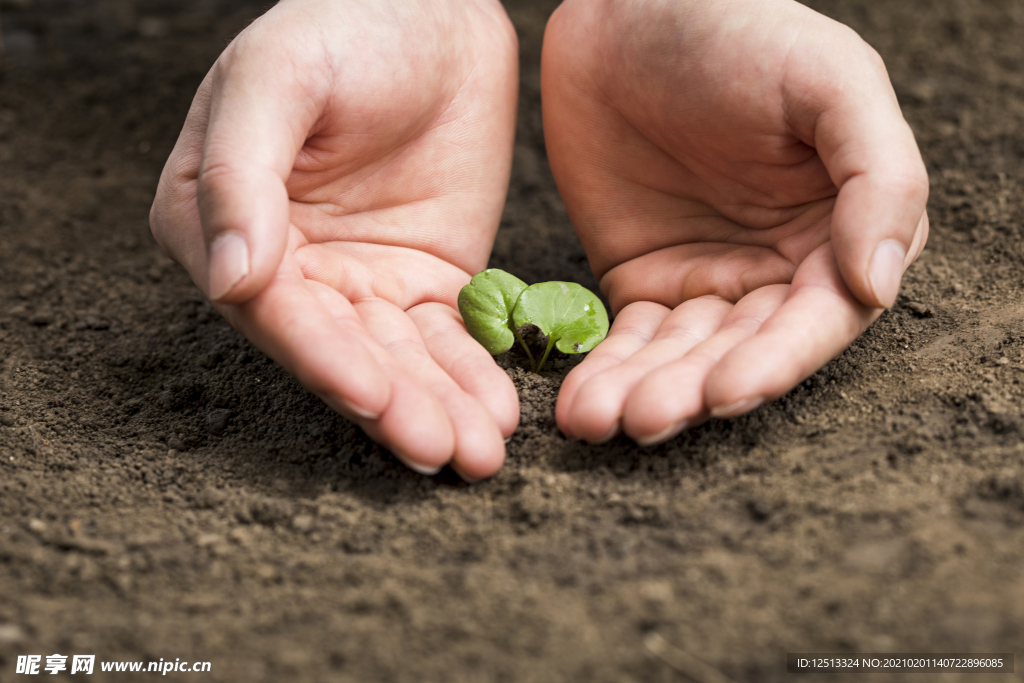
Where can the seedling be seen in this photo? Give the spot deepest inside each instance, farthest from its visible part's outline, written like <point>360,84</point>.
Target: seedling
<point>496,306</point>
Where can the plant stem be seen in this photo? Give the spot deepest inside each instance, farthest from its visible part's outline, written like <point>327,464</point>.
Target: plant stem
<point>551,345</point>
<point>533,363</point>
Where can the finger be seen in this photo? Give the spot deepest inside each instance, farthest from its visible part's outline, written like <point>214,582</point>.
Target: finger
<point>415,426</point>
<point>920,238</point>
<point>261,111</point>
<point>816,323</point>
<point>872,157</point>
<point>633,328</point>
<point>404,276</point>
<point>467,362</point>
<point>401,280</point>
<point>671,398</point>
<point>601,400</point>
<point>174,216</point>
<point>421,433</point>
<point>679,273</point>
<point>414,422</point>
<point>475,445</point>
<point>327,351</point>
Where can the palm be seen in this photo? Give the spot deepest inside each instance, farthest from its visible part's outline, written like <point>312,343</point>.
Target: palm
<point>393,196</point>
<point>692,177</point>
<point>707,217</point>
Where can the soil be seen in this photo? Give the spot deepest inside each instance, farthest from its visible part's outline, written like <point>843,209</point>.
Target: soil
<point>166,491</point>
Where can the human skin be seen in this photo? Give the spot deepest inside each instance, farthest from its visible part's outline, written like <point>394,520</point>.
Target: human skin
<point>739,172</point>
<point>748,194</point>
<point>340,176</point>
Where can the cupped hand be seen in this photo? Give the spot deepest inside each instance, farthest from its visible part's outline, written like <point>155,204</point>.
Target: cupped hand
<point>747,191</point>
<point>340,175</point>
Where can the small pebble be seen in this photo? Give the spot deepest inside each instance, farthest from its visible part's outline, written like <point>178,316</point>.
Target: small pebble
<point>920,310</point>
<point>217,421</point>
<point>37,525</point>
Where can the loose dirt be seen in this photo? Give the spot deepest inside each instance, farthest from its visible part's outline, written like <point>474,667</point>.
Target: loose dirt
<point>166,491</point>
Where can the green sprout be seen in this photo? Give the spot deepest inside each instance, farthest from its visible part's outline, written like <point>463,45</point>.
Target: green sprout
<point>496,306</point>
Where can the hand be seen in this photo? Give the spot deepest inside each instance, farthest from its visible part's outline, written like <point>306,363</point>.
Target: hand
<point>341,173</point>
<point>747,191</point>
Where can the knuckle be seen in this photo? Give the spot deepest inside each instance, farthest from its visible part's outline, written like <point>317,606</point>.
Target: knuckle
<point>852,40</point>
<point>216,176</point>
<point>911,187</point>
<point>860,50</point>
<point>221,68</point>
<point>236,50</point>
<point>872,55</point>
<point>246,48</point>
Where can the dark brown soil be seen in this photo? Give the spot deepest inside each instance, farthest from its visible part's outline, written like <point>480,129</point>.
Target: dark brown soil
<point>166,491</point>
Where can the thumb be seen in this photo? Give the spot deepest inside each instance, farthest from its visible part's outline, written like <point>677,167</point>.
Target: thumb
<point>259,120</point>
<point>879,222</point>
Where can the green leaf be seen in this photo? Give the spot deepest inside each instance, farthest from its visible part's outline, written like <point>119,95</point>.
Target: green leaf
<point>572,317</point>
<point>486,305</point>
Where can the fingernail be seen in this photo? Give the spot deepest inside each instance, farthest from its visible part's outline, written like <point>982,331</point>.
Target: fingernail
<point>737,408</point>
<point>607,437</point>
<point>357,411</point>
<point>468,480</point>
<point>419,469</point>
<point>886,271</point>
<point>663,435</point>
<point>229,263</point>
